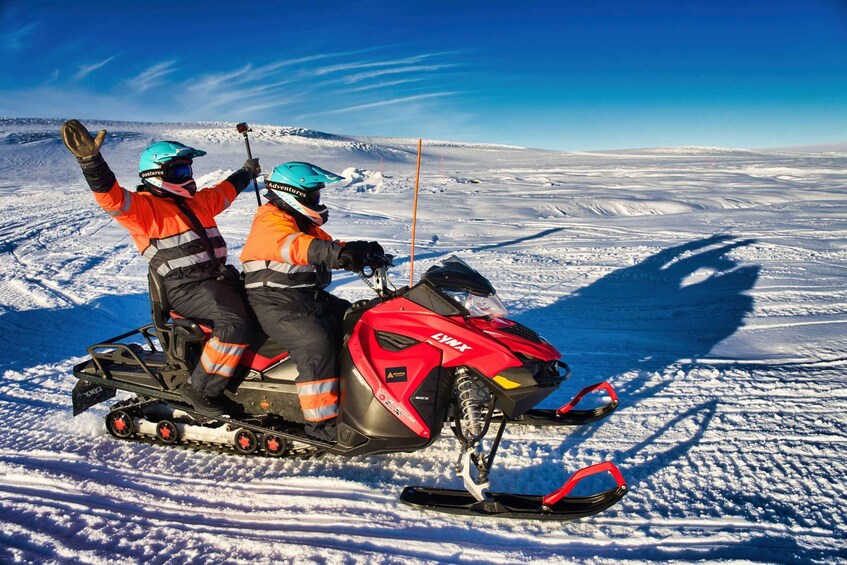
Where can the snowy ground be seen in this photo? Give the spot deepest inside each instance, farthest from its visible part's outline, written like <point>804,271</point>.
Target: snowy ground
<point>707,285</point>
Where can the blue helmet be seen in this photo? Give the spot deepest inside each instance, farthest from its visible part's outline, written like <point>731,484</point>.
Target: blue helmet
<point>296,187</point>
<point>165,167</point>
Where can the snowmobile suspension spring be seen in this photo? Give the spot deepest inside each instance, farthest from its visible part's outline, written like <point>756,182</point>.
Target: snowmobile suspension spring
<point>472,398</point>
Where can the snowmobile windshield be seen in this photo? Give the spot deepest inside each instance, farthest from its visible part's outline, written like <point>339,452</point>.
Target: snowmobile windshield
<point>455,275</point>
<point>462,284</point>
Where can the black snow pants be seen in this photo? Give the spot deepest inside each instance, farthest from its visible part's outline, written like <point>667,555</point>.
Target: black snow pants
<point>308,324</point>
<point>219,302</point>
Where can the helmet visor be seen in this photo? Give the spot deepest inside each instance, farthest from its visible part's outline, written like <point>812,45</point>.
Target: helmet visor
<point>177,171</point>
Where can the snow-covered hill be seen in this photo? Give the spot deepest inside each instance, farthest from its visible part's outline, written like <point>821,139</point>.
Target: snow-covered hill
<point>708,285</point>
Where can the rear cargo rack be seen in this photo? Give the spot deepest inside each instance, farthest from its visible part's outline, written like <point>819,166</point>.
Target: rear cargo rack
<point>106,353</point>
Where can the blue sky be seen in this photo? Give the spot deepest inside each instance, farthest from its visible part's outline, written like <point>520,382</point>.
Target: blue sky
<point>558,75</point>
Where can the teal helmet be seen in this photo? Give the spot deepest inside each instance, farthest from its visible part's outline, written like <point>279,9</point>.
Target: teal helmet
<point>165,168</point>
<point>296,187</point>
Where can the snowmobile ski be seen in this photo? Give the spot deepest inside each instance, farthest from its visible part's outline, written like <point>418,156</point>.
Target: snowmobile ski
<point>566,415</point>
<point>554,506</point>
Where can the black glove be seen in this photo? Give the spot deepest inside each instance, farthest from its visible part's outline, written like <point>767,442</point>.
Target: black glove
<point>252,166</point>
<point>371,252</point>
<point>360,247</point>
<point>79,142</point>
<point>375,248</point>
<point>350,259</point>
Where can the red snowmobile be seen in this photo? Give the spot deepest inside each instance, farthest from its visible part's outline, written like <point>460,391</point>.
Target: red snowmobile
<point>414,360</point>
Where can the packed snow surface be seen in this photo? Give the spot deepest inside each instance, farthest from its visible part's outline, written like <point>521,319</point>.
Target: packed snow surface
<point>707,285</point>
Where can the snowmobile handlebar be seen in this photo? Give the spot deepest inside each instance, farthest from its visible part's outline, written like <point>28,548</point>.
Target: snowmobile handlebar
<point>375,274</point>
<point>375,262</point>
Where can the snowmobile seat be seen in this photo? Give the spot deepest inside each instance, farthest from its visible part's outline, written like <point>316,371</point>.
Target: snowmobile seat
<point>179,336</point>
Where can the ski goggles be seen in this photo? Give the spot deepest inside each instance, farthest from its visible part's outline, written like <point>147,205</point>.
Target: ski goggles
<point>313,198</point>
<point>177,171</point>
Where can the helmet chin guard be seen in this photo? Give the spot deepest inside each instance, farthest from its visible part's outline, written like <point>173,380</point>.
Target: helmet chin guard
<point>317,214</point>
<point>162,188</point>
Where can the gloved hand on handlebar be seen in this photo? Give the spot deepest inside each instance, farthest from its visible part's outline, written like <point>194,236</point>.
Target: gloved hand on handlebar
<point>351,259</point>
<point>372,253</point>
<point>375,248</point>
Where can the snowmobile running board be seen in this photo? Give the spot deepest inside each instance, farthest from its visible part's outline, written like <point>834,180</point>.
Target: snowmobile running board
<point>566,415</point>
<point>554,506</point>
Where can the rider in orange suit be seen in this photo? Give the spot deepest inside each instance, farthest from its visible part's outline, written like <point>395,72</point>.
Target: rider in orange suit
<point>173,226</point>
<point>288,260</point>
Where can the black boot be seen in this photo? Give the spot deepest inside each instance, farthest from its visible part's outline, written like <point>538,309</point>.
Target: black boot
<point>205,405</point>
<point>322,431</point>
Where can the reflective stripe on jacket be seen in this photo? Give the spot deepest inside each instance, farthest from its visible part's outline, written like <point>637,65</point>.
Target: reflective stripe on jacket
<point>163,234</point>
<point>278,255</point>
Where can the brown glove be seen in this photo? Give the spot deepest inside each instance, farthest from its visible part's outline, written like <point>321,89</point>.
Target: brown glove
<point>79,141</point>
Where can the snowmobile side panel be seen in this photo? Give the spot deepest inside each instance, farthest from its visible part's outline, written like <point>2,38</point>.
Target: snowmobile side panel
<point>368,424</point>
<point>393,372</point>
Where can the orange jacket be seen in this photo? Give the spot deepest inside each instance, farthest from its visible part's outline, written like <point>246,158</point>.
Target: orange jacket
<point>277,254</point>
<point>163,234</point>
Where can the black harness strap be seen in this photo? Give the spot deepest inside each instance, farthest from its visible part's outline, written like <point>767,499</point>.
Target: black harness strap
<point>198,227</point>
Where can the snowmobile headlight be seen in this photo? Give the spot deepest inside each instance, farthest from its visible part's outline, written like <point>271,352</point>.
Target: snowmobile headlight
<point>479,306</point>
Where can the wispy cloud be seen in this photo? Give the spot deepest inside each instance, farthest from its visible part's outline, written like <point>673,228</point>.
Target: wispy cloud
<point>85,70</point>
<point>334,84</point>
<point>367,65</point>
<point>387,84</point>
<point>265,106</point>
<point>359,77</point>
<point>153,76</point>
<point>16,38</point>
<point>379,104</point>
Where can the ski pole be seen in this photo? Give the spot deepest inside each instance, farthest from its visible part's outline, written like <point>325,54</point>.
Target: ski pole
<point>243,128</point>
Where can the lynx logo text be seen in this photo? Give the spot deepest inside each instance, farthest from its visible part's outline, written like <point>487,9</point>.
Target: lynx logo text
<point>454,343</point>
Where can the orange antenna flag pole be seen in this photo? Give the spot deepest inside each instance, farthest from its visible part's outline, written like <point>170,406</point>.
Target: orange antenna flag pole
<point>415,218</point>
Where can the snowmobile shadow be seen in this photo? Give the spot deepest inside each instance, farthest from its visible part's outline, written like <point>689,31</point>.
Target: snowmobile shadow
<point>674,306</point>
<point>638,326</point>
<point>49,335</point>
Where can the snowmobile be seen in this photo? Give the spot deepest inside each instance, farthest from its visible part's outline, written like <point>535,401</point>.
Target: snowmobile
<point>415,360</point>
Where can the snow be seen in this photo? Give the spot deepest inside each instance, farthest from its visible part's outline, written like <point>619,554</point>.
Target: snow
<point>706,284</point>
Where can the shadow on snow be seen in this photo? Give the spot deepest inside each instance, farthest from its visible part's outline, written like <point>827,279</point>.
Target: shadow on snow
<point>51,335</point>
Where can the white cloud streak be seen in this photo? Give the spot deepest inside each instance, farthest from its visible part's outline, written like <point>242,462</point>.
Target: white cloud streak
<point>352,79</point>
<point>380,85</point>
<point>16,40</point>
<point>379,104</point>
<point>85,70</point>
<point>153,76</point>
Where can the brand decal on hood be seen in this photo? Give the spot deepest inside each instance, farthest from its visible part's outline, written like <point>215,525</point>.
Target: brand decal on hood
<point>451,341</point>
